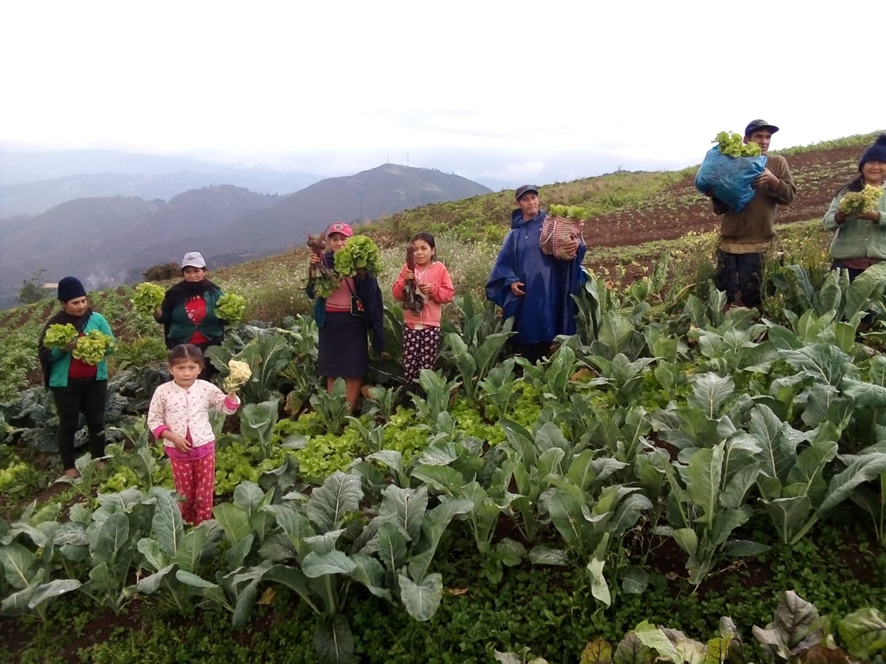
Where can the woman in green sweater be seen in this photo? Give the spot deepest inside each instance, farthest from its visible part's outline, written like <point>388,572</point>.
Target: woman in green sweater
<point>188,310</point>
<point>861,238</point>
<point>77,386</point>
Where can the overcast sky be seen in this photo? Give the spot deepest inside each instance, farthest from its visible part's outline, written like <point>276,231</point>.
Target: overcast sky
<point>525,91</point>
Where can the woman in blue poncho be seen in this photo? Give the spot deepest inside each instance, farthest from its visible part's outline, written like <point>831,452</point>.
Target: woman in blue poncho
<point>534,288</point>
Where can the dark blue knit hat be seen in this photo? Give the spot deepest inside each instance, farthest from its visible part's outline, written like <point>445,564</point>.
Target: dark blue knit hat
<point>70,288</point>
<point>877,152</point>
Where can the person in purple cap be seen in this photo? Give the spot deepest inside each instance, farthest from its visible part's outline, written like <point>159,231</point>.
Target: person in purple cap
<point>532,287</point>
<point>745,236</point>
<point>860,239</point>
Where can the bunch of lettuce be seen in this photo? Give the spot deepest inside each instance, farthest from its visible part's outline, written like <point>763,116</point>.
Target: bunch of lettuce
<point>733,145</point>
<point>568,212</point>
<point>59,336</point>
<point>359,254</point>
<point>859,202</point>
<point>230,308</point>
<point>92,347</point>
<point>148,298</point>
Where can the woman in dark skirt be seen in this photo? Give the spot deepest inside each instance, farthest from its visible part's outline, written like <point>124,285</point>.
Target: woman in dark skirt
<point>344,318</point>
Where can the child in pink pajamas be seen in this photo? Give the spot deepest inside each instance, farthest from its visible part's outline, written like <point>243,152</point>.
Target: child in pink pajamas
<point>179,416</point>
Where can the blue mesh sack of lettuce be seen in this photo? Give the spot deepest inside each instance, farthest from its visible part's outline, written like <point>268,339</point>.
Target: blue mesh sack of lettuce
<point>92,347</point>
<point>358,256</point>
<point>230,308</point>
<point>148,298</point>
<point>729,170</point>
<point>59,336</point>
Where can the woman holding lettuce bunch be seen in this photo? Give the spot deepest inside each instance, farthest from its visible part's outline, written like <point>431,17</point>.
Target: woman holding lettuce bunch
<point>189,312</point>
<point>858,213</point>
<point>72,350</point>
<point>348,305</point>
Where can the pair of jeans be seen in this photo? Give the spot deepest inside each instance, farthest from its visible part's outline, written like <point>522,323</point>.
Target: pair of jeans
<point>86,396</point>
<point>740,276</point>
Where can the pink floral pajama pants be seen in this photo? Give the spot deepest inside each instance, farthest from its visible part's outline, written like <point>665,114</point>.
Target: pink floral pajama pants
<point>420,348</point>
<point>195,482</point>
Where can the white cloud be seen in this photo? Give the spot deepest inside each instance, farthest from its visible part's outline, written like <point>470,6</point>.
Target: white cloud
<point>326,86</point>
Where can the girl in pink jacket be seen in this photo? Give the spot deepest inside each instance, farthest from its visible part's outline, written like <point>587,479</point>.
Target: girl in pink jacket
<point>179,416</point>
<point>423,286</point>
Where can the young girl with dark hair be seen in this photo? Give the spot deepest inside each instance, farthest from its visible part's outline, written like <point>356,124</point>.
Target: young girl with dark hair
<point>179,416</point>
<point>77,387</point>
<point>423,286</point>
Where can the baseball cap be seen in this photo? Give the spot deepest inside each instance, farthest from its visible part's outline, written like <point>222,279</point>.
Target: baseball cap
<point>525,189</point>
<point>757,125</point>
<point>339,227</point>
<point>193,259</point>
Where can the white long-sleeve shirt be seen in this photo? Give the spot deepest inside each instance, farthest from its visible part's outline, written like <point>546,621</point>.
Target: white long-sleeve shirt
<point>187,411</point>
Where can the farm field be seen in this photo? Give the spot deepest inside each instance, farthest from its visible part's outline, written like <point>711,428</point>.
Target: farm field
<point>668,466</point>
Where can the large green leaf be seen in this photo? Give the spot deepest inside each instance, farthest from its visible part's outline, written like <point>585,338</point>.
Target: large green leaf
<point>267,356</point>
<point>334,562</point>
<point>789,515</point>
<point>864,632</point>
<point>709,393</point>
<point>861,469</point>
<point>406,507</point>
<point>391,545</point>
<point>864,395</point>
<point>191,550</point>
<point>295,580</point>
<point>257,420</point>
<point>249,496</point>
<point>293,522</point>
<point>18,564</point>
<point>421,599</point>
<point>152,552</point>
<point>823,362</point>
<point>541,555</point>
<point>703,481</point>
<point>566,515</point>
<point>333,641</point>
<point>438,519</point>
<point>16,603</point>
<point>368,571</point>
<point>443,479</point>
<point>864,289</point>
<point>233,520</point>
<point>616,333</point>
<point>112,536</point>
<point>599,587</point>
<point>777,453</point>
<point>805,478</point>
<point>51,590</point>
<point>339,496</point>
<point>195,581</point>
<point>166,525</point>
<point>148,585</point>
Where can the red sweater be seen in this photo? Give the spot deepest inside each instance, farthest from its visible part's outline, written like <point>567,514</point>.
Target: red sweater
<point>441,293</point>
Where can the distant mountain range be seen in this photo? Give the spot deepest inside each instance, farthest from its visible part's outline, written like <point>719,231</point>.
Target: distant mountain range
<point>33,182</point>
<point>111,240</point>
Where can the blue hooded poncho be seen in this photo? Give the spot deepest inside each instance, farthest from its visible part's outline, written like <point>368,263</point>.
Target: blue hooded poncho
<point>547,309</point>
